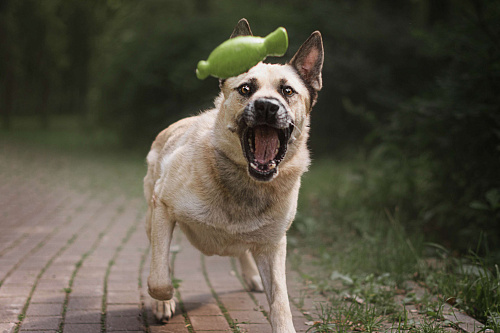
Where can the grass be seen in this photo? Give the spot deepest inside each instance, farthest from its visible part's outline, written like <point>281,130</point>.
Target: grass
<point>470,284</point>
<point>365,246</point>
<point>341,316</point>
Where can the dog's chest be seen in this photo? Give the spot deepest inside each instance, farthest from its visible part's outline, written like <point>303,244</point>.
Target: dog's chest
<point>212,240</point>
<point>216,210</point>
<point>226,226</point>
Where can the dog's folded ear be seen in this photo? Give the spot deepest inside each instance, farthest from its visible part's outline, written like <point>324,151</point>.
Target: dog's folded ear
<point>242,29</point>
<point>308,61</point>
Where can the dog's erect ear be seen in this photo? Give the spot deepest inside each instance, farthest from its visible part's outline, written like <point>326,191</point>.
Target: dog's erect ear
<point>242,29</point>
<point>308,60</point>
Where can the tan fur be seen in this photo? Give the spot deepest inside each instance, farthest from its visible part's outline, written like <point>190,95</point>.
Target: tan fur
<point>198,179</point>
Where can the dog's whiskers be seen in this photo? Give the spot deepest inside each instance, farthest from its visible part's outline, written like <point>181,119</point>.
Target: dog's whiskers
<point>294,126</point>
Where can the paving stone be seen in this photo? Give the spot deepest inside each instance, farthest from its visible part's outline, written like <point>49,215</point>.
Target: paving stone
<point>9,291</point>
<point>7,327</point>
<point>195,297</point>
<point>41,323</point>
<point>47,309</point>
<point>85,303</point>
<point>300,323</point>
<point>202,309</point>
<point>250,317</point>
<point>82,290</point>
<point>11,305</point>
<point>169,328</point>
<point>45,297</point>
<point>237,301</point>
<point>123,297</point>
<point>465,322</point>
<point>124,324</point>
<point>82,328</point>
<point>9,317</point>
<point>178,318</point>
<point>206,323</point>
<point>255,328</point>
<point>123,310</point>
<point>114,287</point>
<point>83,317</point>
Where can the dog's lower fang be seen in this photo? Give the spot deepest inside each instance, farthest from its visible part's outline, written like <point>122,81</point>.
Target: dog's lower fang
<point>271,165</point>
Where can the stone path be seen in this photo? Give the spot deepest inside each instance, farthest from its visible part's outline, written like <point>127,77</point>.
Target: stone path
<point>76,259</point>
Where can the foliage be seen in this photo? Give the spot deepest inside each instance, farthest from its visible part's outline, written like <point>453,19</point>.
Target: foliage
<point>412,85</point>
<point>46,48</point>
<point>421,96</point>
<point>144,79</point>
<point>144,76</point>
<point>456,126</point>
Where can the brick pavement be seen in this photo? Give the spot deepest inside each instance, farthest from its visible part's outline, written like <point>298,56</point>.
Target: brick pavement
<point>74,260</point>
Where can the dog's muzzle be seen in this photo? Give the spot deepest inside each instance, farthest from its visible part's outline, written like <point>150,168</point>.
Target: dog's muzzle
<point>266,128</point>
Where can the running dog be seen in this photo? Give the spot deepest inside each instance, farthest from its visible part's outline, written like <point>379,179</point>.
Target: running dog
<point>230,177</point>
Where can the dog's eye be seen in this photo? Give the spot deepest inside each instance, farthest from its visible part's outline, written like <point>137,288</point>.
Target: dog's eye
<point>287,91</point>
<point>245,89</point>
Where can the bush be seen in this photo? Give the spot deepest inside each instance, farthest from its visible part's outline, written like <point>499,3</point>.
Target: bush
<point>456,124</point>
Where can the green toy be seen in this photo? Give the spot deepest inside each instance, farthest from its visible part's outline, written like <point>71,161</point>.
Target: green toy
<point>237,55</point>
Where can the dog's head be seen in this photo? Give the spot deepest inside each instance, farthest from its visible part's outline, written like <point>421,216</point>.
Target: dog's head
<point>267,108</point>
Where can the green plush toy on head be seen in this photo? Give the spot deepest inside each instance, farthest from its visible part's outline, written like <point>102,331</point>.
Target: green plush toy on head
<point>237,55</point>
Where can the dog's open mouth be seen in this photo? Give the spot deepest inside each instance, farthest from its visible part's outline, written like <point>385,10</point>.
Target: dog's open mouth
<point>264,148</point>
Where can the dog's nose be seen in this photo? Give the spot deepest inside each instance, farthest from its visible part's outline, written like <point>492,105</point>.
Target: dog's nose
<point>266,110</point>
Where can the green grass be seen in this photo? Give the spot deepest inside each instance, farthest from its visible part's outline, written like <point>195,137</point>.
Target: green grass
<point>470,284</point>
<point>354,221</point>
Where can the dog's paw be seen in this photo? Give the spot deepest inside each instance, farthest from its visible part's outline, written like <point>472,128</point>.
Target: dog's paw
<point>254,283</point>
<point>163,310</point>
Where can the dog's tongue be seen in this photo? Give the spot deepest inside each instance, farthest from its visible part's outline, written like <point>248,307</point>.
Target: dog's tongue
<point>266,143</point>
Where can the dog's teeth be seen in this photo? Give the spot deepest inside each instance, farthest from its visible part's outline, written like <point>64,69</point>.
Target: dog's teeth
<point>250,144</point>
<point>272,165</point>
<point>253,165</point>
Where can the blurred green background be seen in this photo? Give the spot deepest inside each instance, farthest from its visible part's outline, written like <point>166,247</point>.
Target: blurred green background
<point>410,107</point>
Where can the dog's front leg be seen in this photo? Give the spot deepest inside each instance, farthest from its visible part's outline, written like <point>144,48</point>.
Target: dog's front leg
<point>162,226</point>
<point>271,263</point>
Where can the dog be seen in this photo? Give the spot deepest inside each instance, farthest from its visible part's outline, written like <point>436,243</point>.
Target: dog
<point>230,176</point>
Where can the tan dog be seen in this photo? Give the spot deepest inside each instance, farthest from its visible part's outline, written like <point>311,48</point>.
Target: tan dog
<point>230,176</point>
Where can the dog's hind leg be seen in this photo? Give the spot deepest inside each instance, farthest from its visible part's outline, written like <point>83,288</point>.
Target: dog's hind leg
<point>159,282</point>
<point>250,273</point>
